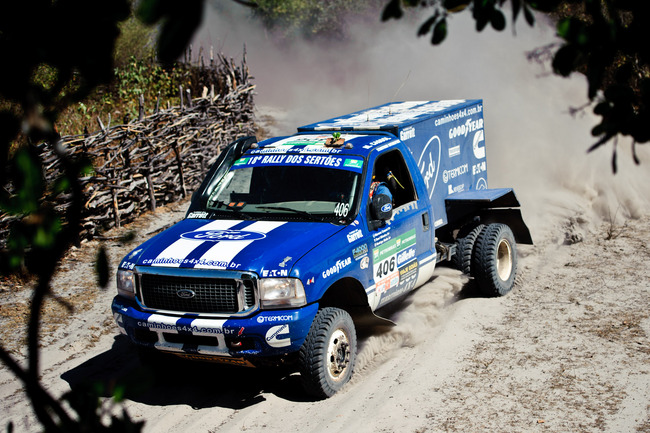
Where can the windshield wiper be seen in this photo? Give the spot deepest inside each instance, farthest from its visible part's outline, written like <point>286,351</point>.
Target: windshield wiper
<point>297,211</point>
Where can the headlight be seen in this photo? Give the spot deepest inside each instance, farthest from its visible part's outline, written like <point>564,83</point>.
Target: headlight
<point>126,283</point>
<point>281,293</point>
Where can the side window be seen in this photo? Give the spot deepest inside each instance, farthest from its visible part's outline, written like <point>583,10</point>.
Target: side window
<point>391,169</point>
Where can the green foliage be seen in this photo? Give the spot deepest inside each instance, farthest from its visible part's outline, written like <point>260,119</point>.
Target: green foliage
<point>135,41</point>
<point>311,19</point>
<point>606,40</point>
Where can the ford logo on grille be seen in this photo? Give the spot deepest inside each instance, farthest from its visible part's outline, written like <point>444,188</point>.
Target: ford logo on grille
<point>185,293</point>
<point>223,235</point>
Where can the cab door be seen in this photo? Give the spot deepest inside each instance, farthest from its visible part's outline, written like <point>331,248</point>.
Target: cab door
<point>402,251</point>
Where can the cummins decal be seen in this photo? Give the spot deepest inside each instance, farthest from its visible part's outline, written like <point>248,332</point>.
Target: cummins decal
<point>479,151</point>
<point>278,336</point>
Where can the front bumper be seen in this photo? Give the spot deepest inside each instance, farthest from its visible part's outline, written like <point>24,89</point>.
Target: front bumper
<point>264,334</point>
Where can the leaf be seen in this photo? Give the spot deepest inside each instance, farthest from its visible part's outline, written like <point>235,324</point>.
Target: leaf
<point>530,18</point>
<point>565,60</point>
<point>102,268</point>
<point>178,28</point>
<point>602,108</point>
<point>150,11</point>
<point>636,159</point>
<point>439,32</point>
<point>456,5</point>
<point>498,20</point>
<point>426,26</point>
<point>564,28</point>
<point>392,10</point>
<point>516,7</point>
<point>28,182</point>
<point>481,22</point>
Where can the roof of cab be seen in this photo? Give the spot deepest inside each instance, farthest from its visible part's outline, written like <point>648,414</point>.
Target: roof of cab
<point>352,144</point>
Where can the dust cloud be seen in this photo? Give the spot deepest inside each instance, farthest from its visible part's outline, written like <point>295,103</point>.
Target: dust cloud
<point>423,310</point>
<point>534,145</point>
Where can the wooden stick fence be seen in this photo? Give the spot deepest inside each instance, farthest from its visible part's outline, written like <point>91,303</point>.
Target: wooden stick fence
<point>156,159</point>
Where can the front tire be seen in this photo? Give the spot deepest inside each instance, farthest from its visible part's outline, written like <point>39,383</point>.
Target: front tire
<point>327,356</point>
<point>495,260</point>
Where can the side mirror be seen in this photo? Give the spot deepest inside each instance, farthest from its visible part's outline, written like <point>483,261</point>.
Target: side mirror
<point>381,207</point>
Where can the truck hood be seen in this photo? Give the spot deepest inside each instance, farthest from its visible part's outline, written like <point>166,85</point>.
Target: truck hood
<point>269,248</point>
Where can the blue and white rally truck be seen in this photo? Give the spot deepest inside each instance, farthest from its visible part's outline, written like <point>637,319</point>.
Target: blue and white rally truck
<point>292,242</point>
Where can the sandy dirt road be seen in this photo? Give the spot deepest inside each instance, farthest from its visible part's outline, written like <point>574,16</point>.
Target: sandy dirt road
<point>567,350</point>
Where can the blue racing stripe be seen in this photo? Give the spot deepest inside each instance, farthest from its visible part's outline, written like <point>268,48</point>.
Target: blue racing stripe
<point>198,252</point>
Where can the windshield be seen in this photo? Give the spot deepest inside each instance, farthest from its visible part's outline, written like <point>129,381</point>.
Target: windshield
<point>303,187</point>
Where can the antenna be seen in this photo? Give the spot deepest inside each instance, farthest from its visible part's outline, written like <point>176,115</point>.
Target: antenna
<point>398,90</point>
<point>368,104</point>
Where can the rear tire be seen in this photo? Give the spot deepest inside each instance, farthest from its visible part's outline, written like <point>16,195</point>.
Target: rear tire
<point>465,242</point>
<point>495,260</point>
<point>327,356</point>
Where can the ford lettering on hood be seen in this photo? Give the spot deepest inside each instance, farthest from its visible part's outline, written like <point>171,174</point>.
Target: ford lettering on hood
<point>231,244</point>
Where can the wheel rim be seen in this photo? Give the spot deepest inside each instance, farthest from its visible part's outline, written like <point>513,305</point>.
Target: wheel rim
<point>338,355</point>
<point>504,260</point>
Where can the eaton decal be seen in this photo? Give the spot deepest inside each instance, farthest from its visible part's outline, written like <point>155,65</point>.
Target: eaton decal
<point>223,235</point>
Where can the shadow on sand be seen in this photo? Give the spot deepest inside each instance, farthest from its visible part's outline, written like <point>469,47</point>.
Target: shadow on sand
<point>170,380</point>
<point>173,380</point>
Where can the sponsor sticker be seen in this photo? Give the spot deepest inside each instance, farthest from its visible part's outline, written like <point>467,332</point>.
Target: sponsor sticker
<point>223,235</point>
<point>360,251</point>
<point>388,257</point>
<point>198,215</point>
<point>278,336</point>
<point>274,319</point>
<point>275,273</point>
<point>303,160</point>
<point>338,267</point>
<point>353,163</point>
<point>407,133</point>
<point>447,175</point>
<point>354,235</point>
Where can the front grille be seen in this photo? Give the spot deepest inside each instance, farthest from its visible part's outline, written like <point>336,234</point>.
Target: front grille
<point>202,295</point>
